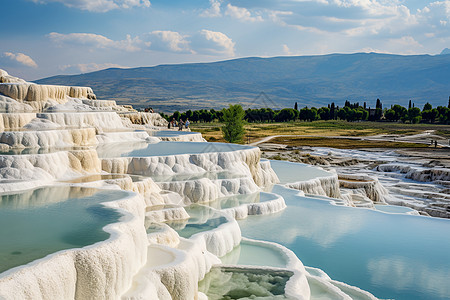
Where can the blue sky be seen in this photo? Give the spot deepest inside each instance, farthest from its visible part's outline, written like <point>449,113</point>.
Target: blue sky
<point>40,38</point>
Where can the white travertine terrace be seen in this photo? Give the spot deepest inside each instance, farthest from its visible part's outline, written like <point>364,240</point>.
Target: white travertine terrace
<point>136,261</point>
<point>325,186</point>
<point>366,186</point>
<point>10,121</point>
<point>50,138</point>
<point>417,173</point>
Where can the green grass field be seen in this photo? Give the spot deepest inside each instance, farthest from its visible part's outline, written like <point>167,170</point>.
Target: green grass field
<point>255,131</point>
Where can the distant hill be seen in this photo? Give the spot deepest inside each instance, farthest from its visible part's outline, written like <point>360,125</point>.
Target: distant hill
<point>445,51</point>
<point>308,80</point>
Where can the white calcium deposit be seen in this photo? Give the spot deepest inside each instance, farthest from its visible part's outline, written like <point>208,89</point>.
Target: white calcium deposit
<point>402,180</point>
<point>143,258</point>
<point>326,186</point>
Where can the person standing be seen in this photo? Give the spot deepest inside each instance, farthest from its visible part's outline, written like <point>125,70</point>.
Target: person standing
<point>180,125</point>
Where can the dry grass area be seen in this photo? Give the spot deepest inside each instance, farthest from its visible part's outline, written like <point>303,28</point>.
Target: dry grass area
<point>342,143</point>
<point>255,131</point>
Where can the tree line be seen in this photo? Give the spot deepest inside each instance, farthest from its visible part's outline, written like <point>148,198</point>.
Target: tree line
<point>350,112</point>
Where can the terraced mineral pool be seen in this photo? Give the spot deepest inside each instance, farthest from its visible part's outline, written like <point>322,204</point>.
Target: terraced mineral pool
<point>289,172</point>
<point>25,151</point>
<point>42,221</point>
<point>250,253</point>
<point>244,283</point>
<point>394,209</point>
<point>172,148</point>
<point>237,200</point>
<point>197,176</point>
<point>97,177</point>
<point>393,256</point>
<point>201,219</point>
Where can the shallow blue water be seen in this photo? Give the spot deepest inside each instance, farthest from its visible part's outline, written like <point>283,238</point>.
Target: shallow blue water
<point>236,200</point>
<point>289,172</point>
<point>42,221</point>
<point>175,148</point>
<point>390,255</point>
<point>201,219</point>
<point>255,254</point>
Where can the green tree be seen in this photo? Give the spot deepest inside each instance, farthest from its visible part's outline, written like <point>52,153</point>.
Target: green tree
<point>176,115</point>
<point>333,111</point>
<point>427,106</point>
<point>233,118</point>
<point>414,115</point>
<point>400,112</point>
<point>379,104</point>
<point>324,113</point>
<point>444,114</point>
<point>430,115</point>
<point>390,115</point>
<point>286,114</point>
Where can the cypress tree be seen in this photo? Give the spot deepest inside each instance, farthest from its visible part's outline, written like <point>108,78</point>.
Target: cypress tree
<point>332,109</point>
<point>409,106</point>
<point>233,119</point>
<point>296,106</point>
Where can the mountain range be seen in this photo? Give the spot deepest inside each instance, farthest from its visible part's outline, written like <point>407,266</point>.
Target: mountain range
<point>275,82</point>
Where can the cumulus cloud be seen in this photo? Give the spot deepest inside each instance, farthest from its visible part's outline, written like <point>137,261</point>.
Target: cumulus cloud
<point>241,13</point>
<point>213,42</point>
<point>169,41</point>
<point>405,45</point>
<point>409,272</point>
<point>213,11</point>
<point>286,49</point>
<point>90,67</point>
<point>96,41</point>
<point>99,5</point>
<point>21,59</point>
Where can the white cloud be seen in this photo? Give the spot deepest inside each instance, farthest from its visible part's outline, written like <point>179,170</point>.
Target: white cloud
<point>409,272</point>
<point>286,50</point>
<point>405,45</point>
<point>276,16</point>
<point>213,11</point>
<point>372,50</point>
<point>96,41</point>
<point>99,5</point>
<point>169,41</point>
<point>279,16</point>
<point>90,67</point>
<point>214,42</point>
<point>241,13</point>
<point>21,59</point>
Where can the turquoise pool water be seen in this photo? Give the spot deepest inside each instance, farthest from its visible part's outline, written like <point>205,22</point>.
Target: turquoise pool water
<point>289,172</point>
<point>42,221</point>
<point>255,254</point>
<point>226,283</point>
<point>236,200</point>
<point>393,256</point>
<point>176,148</point>
<point>202,218</point>
<point>393,209</point>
